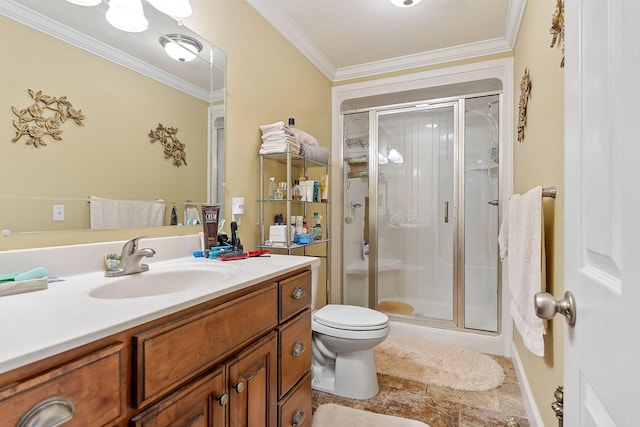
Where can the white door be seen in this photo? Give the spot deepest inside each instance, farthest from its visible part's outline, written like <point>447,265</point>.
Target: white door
<point>602,218</point>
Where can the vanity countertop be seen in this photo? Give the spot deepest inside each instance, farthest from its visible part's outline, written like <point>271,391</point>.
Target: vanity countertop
<point>43,323</point>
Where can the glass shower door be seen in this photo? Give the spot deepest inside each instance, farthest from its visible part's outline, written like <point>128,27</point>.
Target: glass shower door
<point>481,160</point>
<point>415,211</point>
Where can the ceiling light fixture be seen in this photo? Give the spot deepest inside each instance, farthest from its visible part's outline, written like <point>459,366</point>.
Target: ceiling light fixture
<point>175,8</point>
<point>127,15</point>
<point>405,3</point>
<point>85,2</point>
<point>180,47</point>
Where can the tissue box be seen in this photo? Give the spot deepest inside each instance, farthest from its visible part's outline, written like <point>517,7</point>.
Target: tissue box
<point>278,234</point>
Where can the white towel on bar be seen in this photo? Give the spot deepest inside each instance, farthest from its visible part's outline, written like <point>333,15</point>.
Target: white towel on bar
<point>522,243</point>
<point>114,213</point>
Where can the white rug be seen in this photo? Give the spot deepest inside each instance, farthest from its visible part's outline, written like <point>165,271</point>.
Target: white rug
<point>332,415</point>
<point>438,364</point>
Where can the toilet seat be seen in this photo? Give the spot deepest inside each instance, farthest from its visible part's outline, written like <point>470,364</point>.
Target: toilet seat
<point>351,317</point>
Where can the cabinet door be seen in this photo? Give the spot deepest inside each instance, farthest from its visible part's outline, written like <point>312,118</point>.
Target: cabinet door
<point>199,404</point>
<point>252,385</point>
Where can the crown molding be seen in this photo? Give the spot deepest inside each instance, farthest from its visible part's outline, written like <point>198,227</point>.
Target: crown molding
<point>283,23</point>
<point>434,57</point>
<point>290,30</point>
<point>514,18</point>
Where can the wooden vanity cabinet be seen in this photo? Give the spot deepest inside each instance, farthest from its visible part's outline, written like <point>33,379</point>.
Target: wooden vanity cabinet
<point>243,359</point>
<point>294,351</point>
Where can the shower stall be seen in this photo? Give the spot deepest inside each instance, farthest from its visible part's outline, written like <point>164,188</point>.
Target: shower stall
<point>421,196</point>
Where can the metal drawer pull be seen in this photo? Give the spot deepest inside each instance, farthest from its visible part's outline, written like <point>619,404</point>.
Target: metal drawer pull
<point>51,412</point>
<point>298,292</point>
<point>223,399</point>
<point>298,417</point>
<point>194,420</point>
<point>298,348</point>
<point>239,387</point>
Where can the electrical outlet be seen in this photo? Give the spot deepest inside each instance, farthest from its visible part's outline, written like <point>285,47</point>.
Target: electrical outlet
<point>58,212</point>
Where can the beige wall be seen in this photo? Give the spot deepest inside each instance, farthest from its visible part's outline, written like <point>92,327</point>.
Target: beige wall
<point>267,80</point>
<point>110,155</point>
<point>538,160</point>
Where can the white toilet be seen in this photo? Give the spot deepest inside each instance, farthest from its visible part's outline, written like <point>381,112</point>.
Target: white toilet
<point>343,341</point>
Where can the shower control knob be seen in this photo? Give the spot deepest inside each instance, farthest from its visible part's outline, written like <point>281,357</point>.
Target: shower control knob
<point>546,306</point>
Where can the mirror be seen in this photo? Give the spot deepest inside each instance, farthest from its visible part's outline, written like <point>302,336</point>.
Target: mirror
<point>126,87</point>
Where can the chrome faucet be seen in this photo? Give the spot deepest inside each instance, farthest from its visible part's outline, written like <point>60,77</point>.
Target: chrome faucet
<point>130,259</point>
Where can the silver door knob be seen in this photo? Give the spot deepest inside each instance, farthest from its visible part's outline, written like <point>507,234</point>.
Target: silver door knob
<point>546,306</point>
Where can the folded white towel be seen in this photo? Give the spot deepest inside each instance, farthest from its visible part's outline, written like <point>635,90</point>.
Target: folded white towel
<point>273,133</point>
<point>272,126</point>
<point>524,250</point>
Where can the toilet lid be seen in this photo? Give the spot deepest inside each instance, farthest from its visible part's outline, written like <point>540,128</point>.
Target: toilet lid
<point>350,317</point>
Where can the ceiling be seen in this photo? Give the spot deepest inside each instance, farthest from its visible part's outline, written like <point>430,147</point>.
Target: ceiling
<point>348,39</point>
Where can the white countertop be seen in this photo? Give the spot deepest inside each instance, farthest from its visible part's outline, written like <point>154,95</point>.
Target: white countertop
<point>39,324</point>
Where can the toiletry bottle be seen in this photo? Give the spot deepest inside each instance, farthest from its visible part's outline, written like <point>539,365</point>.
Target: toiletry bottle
<point>278,194</point>
<point>296,191</point>
<point>272,188</point>
<point>317,233</point>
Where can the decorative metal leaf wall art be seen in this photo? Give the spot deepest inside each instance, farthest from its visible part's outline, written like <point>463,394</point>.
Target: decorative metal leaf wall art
<point>44,118</point>
<point>172,146</point>
<point>525,91</point>
<point>557,28</point>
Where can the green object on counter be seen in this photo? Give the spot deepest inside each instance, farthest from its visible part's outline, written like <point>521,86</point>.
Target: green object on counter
<point>35,273</point>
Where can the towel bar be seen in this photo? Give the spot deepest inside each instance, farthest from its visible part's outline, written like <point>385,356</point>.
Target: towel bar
<point>549,192</point>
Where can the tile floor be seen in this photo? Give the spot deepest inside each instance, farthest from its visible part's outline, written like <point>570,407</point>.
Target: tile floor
<point>442,406</point>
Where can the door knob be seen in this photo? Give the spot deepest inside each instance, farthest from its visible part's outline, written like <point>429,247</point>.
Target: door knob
<point>546,306</point>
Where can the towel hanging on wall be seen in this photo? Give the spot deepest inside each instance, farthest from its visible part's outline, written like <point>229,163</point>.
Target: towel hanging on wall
<point>521,241</point>
<point>113,213</point>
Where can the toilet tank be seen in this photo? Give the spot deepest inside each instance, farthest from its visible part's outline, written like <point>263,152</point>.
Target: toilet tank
<point>315,273</point>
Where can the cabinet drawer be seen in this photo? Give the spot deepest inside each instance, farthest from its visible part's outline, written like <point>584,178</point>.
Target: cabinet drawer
<point>295,352</point>
<point>295,295</point>
<point>94,384</point>
<point>172,353</point>
<point>198,404</point>
<point>295,410</point>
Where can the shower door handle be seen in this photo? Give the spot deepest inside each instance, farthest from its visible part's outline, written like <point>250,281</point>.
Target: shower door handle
<point>446,212</point>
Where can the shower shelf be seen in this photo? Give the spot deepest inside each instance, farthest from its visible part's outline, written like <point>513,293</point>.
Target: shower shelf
<point>483,167</point>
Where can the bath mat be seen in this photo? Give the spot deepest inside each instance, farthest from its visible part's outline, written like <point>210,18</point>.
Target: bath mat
<point>395,307</point>
<point>332,415</point>
<point>439,364</point>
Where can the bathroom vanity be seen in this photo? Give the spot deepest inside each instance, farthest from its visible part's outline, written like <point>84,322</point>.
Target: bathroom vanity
<point>229,355</point>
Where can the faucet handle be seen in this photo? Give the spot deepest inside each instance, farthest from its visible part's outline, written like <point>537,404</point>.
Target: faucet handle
<point>132,245</point>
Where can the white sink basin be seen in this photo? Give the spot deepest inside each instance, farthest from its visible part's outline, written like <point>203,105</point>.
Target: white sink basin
<point>164,281</point>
